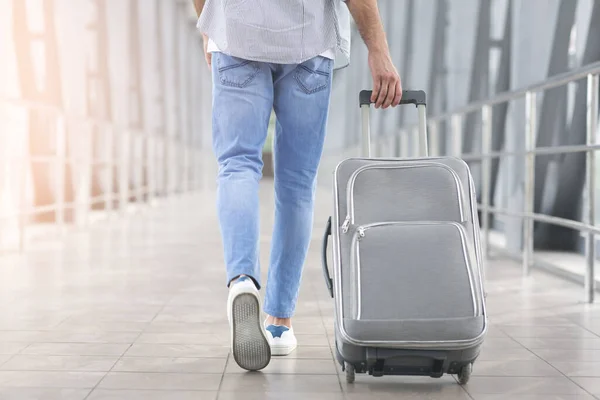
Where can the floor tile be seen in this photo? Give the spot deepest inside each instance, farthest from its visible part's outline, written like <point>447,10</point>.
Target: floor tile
<point>394,393</point>
<point>525,319</point>
<point>592,385</point>
<point>280,396</point>
<point>218,317</point>
<point>552,332</point>
<point>89,337</point>
<point>510,386</point>
<point>291,366</point>
<point>68,337</point>
<point>501,343</point>
<point>508,354</point>
<point>45,379</point>
<point>312,340</point>
<point>560,344</point>
<point>187,327</point>
<point>101,326</point>
<point>12,347</point>
<point>176,350</point>
<point>535,397</point>
<point>21,336</point>
<point>405,386</point>
<point>581,369</point>
<point>574,355</point>
<point>185,338</point>
<point>171,364</point>
<point>495,332</point>
<point>42,394</point>
<point>518,368</point>
<point>260,382</point>
<point>312,353</point>
<point>112,394</point>
<point>60,363</point>
<point>76,349</point>
<point>7,324</point>
<point>160,381</point>
<point>115,316</point>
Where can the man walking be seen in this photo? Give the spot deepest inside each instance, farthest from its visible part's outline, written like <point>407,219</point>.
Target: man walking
<point>277,55</point>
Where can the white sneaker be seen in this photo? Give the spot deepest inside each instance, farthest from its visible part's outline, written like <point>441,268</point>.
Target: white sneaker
<point>249,342</point>
<point>282,339</point>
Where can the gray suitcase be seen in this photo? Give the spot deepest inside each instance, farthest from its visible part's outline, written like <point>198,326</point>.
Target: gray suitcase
<point>407,263</point>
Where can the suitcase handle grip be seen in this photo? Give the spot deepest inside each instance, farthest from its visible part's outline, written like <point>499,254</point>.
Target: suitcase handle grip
<point>416,97</point>
<point>328,280</point>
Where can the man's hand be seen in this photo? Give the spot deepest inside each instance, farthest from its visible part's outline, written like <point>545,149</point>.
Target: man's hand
<point>387,87</point>
<point>207,55</point>
<point>199,5</point>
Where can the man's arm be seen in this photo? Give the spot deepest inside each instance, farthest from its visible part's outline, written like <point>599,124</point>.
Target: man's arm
<point>387,86</point>
<point>199,5</point>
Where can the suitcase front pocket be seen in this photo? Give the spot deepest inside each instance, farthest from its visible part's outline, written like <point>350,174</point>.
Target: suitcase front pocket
<point>412,270</point>
<point>427,191</point>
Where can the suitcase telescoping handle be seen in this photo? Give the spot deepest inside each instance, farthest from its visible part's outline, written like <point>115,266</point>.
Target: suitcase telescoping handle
<point>416,97</point>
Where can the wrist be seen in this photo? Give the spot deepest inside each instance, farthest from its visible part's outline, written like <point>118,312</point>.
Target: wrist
<point>379,51</point>
<point>378,47</point>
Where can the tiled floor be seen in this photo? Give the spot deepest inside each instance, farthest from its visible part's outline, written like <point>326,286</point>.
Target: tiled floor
<point>135,309</point>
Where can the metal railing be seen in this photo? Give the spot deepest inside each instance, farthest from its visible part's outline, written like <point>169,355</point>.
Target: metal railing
<point>134,166</point>
<point>485,157</point>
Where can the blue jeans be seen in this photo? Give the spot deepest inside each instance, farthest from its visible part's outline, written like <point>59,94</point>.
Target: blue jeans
<point>244,93</point>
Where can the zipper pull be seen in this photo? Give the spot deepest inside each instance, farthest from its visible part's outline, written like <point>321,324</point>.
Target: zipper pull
<point>361,232</point>
<point>346,224</point>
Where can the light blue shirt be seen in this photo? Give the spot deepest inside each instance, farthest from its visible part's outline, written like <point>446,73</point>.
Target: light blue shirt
<point>278,31</point>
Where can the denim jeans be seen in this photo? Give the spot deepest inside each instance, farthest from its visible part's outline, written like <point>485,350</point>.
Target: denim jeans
<point>244,93</point>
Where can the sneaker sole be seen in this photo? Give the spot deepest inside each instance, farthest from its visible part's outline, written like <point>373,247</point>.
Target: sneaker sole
<point>251,349</point>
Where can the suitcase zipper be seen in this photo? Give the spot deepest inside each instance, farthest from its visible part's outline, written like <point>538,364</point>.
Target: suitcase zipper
<point>346,224</point>
<point>361,232</point>
<point>346,227</point>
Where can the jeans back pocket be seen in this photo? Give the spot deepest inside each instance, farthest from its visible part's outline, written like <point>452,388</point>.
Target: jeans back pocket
<point>235,71</point>
<point>314,75</point>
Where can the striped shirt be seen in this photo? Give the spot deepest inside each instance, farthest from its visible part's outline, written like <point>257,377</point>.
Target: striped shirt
<point>278,31</point>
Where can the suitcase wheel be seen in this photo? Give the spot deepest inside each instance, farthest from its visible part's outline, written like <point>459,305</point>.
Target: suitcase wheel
<point>465,374</point>
<point>350,373</point>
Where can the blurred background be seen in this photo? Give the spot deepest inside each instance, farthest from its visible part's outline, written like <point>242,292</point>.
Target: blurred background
<point>103,104</point>
<point>105,107</point>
